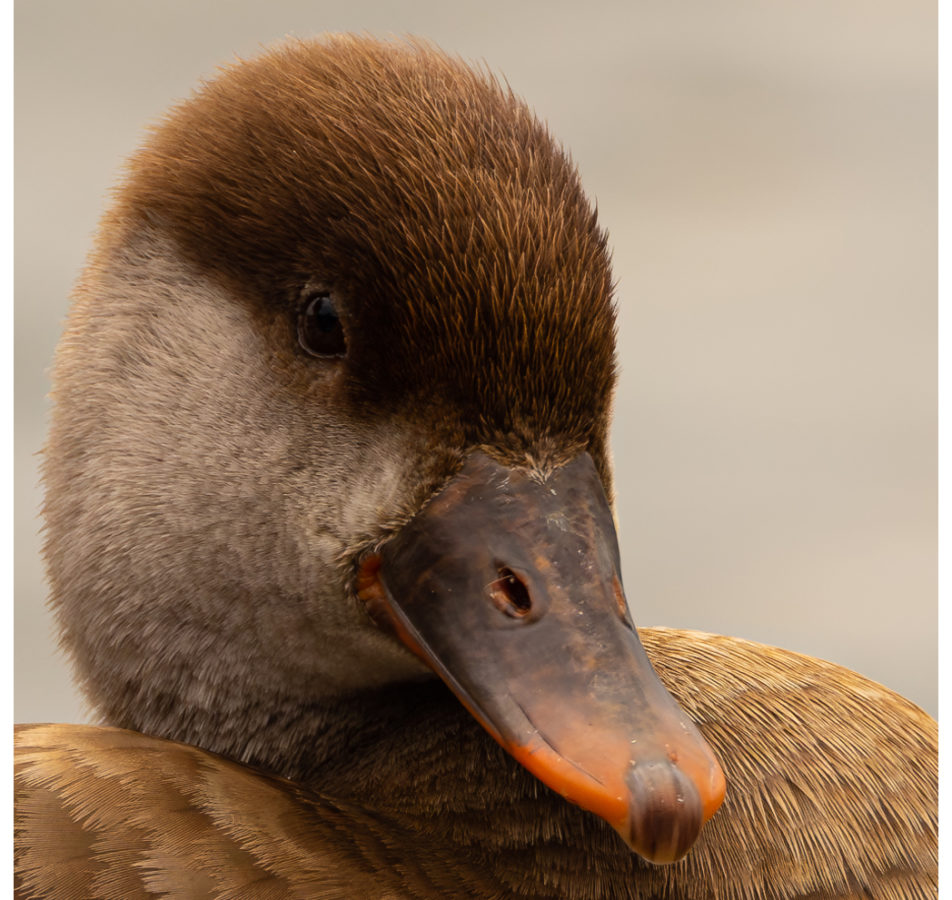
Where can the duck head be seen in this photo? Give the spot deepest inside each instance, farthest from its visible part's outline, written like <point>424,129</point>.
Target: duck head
<point>331,413</point>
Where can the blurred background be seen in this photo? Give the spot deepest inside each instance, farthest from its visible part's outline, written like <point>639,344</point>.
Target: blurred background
<point>767,173</point>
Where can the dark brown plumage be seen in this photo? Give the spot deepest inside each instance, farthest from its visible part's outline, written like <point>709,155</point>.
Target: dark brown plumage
<point>212,488</point>
<point>427,195</point>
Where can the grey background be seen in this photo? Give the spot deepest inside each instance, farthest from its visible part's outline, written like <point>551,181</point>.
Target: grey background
<point>767,172</point>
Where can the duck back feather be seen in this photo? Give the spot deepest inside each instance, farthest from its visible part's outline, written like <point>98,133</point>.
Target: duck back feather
<point>833,793</point>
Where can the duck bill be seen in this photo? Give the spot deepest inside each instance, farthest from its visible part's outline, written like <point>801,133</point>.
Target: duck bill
<point>507,584</point>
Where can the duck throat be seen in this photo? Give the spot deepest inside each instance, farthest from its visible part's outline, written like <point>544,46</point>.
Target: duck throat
<point>412,754</point>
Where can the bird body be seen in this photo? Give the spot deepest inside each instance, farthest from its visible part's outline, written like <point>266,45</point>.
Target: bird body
<point>828,775</point>
<point>331,416</point>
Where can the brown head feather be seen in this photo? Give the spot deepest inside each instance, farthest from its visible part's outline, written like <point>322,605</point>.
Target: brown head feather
<point>430,198</point>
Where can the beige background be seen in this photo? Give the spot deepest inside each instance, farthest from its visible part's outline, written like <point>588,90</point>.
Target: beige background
<point>767,172</point>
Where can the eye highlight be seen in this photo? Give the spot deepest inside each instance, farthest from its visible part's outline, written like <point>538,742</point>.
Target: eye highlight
<point>319,327</point>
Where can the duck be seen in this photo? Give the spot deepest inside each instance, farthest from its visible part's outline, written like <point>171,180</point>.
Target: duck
<point>331,546</point>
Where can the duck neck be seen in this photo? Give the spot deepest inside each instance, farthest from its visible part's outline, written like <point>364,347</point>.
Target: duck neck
<point>413,757</point>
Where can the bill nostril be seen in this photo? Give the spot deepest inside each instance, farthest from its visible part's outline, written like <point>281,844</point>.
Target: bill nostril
<point>666,813</point>
<point>510,594</point>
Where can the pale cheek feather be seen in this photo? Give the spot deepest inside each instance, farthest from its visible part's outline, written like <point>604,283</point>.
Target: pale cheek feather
<point>209,465</point>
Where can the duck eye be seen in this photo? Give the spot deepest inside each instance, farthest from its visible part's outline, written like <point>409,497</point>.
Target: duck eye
<point>320,331</point>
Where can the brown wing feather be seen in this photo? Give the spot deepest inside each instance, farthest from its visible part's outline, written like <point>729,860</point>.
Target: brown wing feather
<point>832,795</point>
<point>103,812</point>
<point>832,778</point>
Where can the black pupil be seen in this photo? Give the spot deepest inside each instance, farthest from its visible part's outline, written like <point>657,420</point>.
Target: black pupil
<point>319,328</point>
